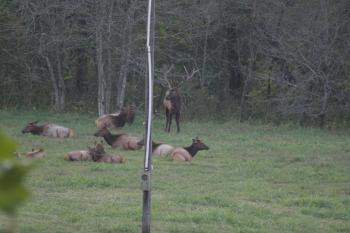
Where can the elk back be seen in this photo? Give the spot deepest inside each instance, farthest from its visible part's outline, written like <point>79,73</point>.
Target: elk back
<point>79,155</point>
<point>163,149</point>
<point>35,153</point>
<point>57,131</point>
<point>181,154</point>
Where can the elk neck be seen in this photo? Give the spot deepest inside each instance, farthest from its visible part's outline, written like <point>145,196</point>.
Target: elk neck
<point>110,138</point>
<point>37,130</point>
<point>192,150</point>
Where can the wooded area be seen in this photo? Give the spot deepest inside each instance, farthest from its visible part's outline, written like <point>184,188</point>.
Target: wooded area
<point>274,60</point>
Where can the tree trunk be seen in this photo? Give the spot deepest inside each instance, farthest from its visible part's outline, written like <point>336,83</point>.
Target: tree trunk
<point>100,72</point>
<point>60,82</point>
<point>108,91</point>
<point>126,51</point>
<point>324,102</point>
<point>81,72</point>
<point>57,84</point>
<point>243,97</point>
<point>205,46</point>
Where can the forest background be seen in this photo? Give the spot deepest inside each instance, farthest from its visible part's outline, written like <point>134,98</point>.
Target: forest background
<point>270,60</point>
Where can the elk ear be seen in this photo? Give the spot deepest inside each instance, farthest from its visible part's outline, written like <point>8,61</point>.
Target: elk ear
<point>193,140</point>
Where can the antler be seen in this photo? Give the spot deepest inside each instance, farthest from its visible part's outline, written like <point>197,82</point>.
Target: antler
<point>188,76</point>
<point>165,81</point>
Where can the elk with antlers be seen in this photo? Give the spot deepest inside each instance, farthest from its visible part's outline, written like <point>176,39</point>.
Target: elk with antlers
<point>172,99</point>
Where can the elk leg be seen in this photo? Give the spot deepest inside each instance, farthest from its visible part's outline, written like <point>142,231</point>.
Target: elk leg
<point>167,119</point>
<point>177,119</point>
<point>178,157</point>
<point>170,119</point>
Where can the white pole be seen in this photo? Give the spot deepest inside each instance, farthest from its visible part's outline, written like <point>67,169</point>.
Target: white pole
<point>146,176</point>
<point>150,88</point>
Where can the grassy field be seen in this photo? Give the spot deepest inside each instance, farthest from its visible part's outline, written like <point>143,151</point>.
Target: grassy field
<point>253,179</point>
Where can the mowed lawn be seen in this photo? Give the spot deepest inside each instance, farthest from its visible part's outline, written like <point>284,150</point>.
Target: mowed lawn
<point>254,178</point>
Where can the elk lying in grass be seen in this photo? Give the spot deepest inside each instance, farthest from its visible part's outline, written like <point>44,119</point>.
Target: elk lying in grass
<point>78,155</point>
<point>119,140</point>
<point>98,154</point>
<point>116,120</point>
<point>187,153</point>
<point>49,130</point>
<point>34,154</point>
<point>159,148</point>
<point>172,99</point>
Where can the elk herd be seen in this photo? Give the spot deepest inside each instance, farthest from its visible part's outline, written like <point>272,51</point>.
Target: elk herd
<point>104,123</point>
<point>120,140</point>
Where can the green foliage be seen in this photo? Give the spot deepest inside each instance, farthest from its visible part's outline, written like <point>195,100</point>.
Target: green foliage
<point>12,174</point>
<point>7,147</point>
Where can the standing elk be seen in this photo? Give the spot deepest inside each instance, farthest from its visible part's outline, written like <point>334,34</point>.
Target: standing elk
<point>187,153</point>
<point>122,140</point>
<point>116,120</point>
<point>49,130</point>
<point>172,98</point>
<point>99,155</point>
<point>172,106</point>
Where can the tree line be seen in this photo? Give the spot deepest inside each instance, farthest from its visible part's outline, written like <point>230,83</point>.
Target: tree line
<point>274,60</point>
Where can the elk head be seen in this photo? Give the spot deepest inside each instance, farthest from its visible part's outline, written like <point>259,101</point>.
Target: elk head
<point>102,132</point>
<point>30,127</point>
<point>198,144</point>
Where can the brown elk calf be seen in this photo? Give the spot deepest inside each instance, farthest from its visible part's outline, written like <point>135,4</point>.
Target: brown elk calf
<point>34,154</point>
<point>98,154</point>
<point>116,120</point>
<point>159,148</point>
<point>187,153</point>
<point>79,155</point>
<point>119,140</point>
<point>49,130</point>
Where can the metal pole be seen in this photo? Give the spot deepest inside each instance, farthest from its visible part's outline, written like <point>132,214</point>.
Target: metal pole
<point>146,176</point>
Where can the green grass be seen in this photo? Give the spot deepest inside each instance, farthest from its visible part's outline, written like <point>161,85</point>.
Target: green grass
<point>254,178</point>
